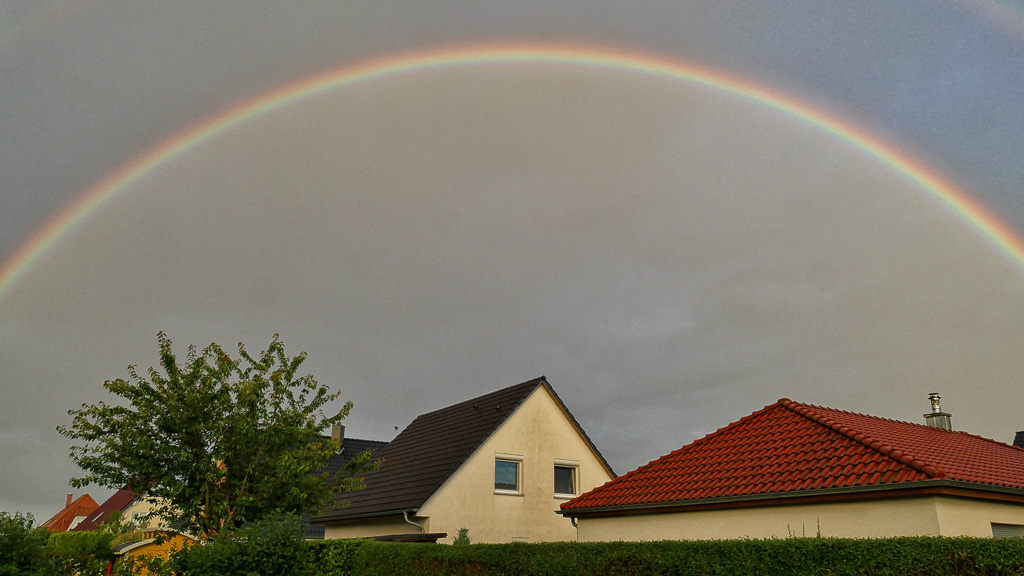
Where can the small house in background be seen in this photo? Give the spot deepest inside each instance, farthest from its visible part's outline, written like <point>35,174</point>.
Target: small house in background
<point>793,469</point>
<point>125,502</point>
<point>132,508</point>
<point>350,449</point>
<point>75,511</point>
<point>499,465</point>
<point>137,548</point>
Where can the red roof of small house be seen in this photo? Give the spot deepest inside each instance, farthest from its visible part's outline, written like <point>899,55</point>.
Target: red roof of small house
<point>82,506</point>
<point>117,502</point>
<point>789,448</point>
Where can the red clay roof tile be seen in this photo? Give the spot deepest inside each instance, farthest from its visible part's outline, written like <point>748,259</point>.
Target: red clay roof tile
<point>789,446</point>
<point>61,521</point>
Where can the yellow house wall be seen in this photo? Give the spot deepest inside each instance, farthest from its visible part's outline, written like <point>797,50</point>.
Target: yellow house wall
<point>540,432</point>
<point>920,516</point>
<point>152,550</point>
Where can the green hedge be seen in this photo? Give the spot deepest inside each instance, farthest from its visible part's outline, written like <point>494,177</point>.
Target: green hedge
<point>332,557</point>
<point>787,557</point>
<point>277,548</point>
<point>82,553</point>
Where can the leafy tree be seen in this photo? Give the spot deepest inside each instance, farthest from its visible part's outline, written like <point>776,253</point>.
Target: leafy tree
<point>23,550</point>
<point>215,442</point>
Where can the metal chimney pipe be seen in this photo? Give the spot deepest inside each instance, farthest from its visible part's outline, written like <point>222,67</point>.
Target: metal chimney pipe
<point>937,418</point>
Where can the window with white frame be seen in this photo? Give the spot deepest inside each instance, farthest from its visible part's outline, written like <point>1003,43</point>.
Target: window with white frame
<point>566,473</point>
<point>508,473</point>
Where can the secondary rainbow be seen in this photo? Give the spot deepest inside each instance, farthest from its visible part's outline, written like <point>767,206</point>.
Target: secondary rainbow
<point>107,189</point>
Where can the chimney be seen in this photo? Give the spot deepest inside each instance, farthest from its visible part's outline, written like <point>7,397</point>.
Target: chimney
<point>338,434</point>
<point>1018,440</point>
<point>937,418</point>
<point>67,503</point>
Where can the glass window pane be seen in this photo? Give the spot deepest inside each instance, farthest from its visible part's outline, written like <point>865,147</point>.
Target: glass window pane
<point>506,475</point>
<point>564,480</point>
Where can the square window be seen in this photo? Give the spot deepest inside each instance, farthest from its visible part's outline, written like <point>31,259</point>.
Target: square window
<point>565,480</point>
<point>506,475</point>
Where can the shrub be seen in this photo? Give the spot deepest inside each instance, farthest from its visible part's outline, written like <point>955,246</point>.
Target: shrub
<point>332,557</point>
<point>266,548</point>
<point>23,550</point>
<point>462,539</point>
<point>274,548</point>
<point>82,553</point>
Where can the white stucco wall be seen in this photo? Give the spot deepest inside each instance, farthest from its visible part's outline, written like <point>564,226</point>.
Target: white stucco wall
<point>918,516</point>
<point>140,507</point>
<point>539,432</point>
<point>963,517</point>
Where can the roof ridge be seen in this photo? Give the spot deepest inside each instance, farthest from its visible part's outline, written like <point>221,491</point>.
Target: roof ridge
<point>915,424</point>
<point>901,456</point>
<point>533,383</point>
<point>368,440</point>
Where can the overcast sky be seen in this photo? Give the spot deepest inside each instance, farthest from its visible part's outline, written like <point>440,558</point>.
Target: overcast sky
<point>672,257</point>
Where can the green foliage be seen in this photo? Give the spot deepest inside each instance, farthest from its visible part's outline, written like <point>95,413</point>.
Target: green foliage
<point>462,538</point>
<point>116,524</point>
<point>784,557</point>
<point>265,548</point>
<point>82,553</point>
<point>275,547</point>
<point>332,557</point>
<point>23,550</point>
<point>268,551</point>
<point>215,442</point>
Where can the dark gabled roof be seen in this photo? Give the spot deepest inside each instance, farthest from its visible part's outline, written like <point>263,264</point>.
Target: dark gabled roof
<point>424,455</point>
<point>350,448</point>
<point>788,449</point>
<point>116,503</point>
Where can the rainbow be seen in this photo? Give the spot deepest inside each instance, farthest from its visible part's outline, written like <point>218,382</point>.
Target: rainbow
<point>106,190</point>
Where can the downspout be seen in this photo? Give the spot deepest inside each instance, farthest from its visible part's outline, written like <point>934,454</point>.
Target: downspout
<point>405,516</point>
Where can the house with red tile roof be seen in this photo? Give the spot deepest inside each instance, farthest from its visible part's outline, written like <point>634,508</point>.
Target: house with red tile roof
<point>133,508</point>
<point>793,469</point>
<point>75,511</point>
<point>117,502</point>
<point>499,464</point>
